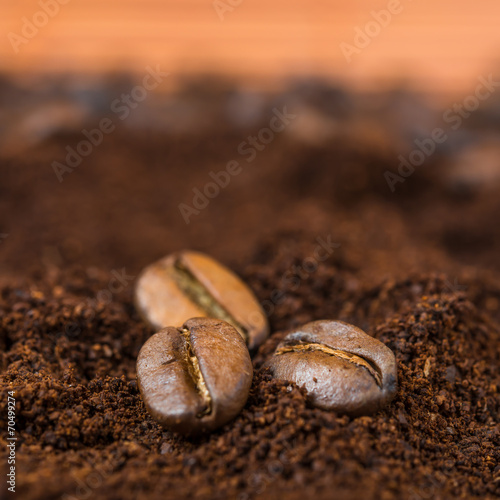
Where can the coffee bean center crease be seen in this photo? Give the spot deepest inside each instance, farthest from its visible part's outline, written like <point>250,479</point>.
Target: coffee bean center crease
<point>199,295</point>
<point>197,376</point>
<point>348,356</point>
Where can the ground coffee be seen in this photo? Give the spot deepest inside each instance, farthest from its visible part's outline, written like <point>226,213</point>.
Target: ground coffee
<point>418,269</point>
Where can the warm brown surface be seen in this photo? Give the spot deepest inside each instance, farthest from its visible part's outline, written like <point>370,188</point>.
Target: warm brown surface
<point>441,45</point>
<point>418,269</point>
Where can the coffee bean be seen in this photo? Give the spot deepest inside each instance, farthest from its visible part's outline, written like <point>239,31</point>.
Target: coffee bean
<point>195,378</point>
<point>341,367</point>
<point>190,284</point>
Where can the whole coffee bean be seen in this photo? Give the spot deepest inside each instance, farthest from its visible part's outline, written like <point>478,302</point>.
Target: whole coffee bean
<point>195,378</point>
<point>341,367</point>
<point>190,284</point>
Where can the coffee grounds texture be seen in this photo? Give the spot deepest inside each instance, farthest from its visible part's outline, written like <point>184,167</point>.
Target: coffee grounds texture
<point>417,269</point>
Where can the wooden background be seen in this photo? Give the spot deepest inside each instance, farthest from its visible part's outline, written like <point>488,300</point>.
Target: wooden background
<point>442,45</point>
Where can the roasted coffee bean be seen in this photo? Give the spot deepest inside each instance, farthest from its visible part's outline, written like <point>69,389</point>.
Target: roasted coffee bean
<point>195,378</point>
<point>341,367</point>
<point>190,284</point>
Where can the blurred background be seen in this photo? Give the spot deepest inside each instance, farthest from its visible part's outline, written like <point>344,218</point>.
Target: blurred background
<point>266,134</point>
<point>375,122</point>
<point>435,46</point>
